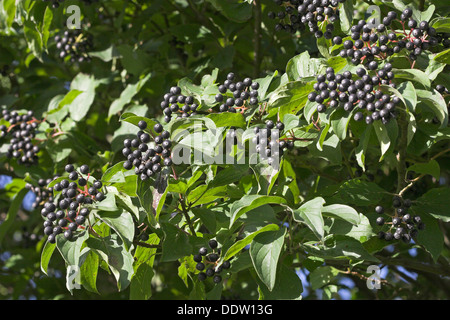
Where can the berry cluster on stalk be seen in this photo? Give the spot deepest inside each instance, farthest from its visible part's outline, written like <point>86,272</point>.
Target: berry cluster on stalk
<point>147,160</point>
<point>371,43</point>
<point>75,44</point>
<point>177,104</point>
<point>402,225</point>
<point>298,15</point>
<point>235,95</point>
<point>341,90</point>
<point>69,211</point>
<point>268,144</point>
<point>21,132</point>
<point>43,193</point>
<point>208,262</point>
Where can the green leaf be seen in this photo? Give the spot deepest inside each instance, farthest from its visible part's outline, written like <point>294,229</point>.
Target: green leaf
<point>322,276</point>
<point>342,211</point>
<point>409,94</point>
<point>134,119</point>
<point>232,10</point>
<point>120,261</point>
<point>134,60</point>
<point>265,251</point>
<point>105,55</point>
<point>442,24</point>
<point>360,193</point>
<point>431,238</point>
<point>231,174</point>
<point>9,7</point>
<point>145,195</point>
<point>310,213</point>
<point>346,15</point>
<point>443,57</point>
<point>141,284</point>
<point>175,244</point>
<point>249,202</point>
<point>387,135</point>
<point>435,202</point>
<point>33,38</point>
<point>46,255</point>
<point>80,105</point>
<point>339,120</point>
<point>415,75</point>
<point>71,249</point>
<point>340,248</point>
<point>361,231</point>
<point>239,245</point>
<point>288,286</point>
<point>114,174</point>
<point>436,102</point>
<point>432,168</point>
<point>127,95</point>
<point>12,213</point>
<point>227,119</point>
<point>89,271</point>
<point>303,66</point>
<point>290,98</point>
<point>361,149</point>
<point>121,222</point>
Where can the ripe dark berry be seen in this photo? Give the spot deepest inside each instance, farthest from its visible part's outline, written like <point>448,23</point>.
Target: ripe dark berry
<point>202,276</point>
<point>380,221</point>
<point>210,272</point>
<point>212,244</point>
<point>68,234</point>
<point>84,169</point>
<point>379,209</point>
<point>158,128</point>
<point>142,125</point>
<point>99,196</point>
<point>97,184</point>
<point>203,251</point>
<point>200,266</point>
<point>213,257</point>
<point>217,278</point>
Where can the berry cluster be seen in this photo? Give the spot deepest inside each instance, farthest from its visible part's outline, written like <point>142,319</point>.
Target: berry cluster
<point>371,43</point>
<point>42,192</point>
<point>268,145</point>
<point>335,90</point>
<point>242,92</point>
<point>74,44</point>
<point>443,38</point>
<point>203,258</point>
<point>21,132</point>
<point>176,103</point>
<point>403,225</point>
<point>147,161</point>
<point>297,14</point>
<point>69,212</point>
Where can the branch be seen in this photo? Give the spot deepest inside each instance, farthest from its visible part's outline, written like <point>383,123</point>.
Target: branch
<point>401,155</point>
<point>146,245</point>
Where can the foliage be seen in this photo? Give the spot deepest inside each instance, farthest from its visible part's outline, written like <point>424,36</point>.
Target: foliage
<point>302,224</point>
